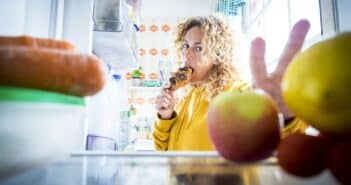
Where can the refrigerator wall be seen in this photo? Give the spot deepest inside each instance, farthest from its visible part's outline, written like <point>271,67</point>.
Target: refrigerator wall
<point>17,17</point>
<point>76,22</point>
<point>344,15</point>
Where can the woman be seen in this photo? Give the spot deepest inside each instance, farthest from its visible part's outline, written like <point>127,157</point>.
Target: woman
<point>206,45</point>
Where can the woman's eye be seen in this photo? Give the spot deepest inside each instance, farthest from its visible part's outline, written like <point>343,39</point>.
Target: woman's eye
<point>198,49</point>
<point>186,46</point>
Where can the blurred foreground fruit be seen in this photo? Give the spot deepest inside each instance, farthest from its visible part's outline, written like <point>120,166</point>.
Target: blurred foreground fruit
<point>317,85</point>
<point>339,161</point>
<point>303,155</point>
<point>244,126</point>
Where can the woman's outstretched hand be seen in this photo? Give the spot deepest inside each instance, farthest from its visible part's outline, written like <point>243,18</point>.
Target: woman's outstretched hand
<point>271,83</point>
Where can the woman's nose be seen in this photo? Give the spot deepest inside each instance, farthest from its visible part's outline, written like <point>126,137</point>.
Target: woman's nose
<point>188,54</point>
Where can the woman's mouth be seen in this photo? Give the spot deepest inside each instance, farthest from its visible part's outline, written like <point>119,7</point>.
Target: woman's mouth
<point>192,69</point>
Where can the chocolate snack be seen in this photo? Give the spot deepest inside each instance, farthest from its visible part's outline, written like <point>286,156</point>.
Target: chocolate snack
<point>180,78</point>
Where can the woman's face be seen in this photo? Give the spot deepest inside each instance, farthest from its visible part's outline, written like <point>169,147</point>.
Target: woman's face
<point>194,54</point>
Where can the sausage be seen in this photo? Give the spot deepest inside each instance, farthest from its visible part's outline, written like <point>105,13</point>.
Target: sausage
<point>53,70</point>
<point>35,42</point>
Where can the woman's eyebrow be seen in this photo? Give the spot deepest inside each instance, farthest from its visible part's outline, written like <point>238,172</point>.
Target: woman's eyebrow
<point>194,43</point>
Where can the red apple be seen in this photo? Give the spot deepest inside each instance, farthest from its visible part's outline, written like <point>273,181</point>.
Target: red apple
<point>336,137</point>
<point>244,126</point>
<point>339,161</point>
<point>303,155</point>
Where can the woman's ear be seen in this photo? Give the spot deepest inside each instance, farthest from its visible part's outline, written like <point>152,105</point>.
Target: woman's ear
<point>216,62</point>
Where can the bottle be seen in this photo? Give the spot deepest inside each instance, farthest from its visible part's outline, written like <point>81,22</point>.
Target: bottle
<point>103,117</point>
<point>133,110</point>
<point>124,134</point>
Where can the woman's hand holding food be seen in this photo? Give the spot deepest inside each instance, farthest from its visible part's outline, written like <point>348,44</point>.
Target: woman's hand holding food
<point>165,103</point>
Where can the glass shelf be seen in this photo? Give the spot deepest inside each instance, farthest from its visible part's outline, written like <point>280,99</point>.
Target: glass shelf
<point>142,88</point>
<point>159,168</point>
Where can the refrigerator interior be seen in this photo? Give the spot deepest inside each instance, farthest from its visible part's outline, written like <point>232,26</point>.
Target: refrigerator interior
<point>139,55</point>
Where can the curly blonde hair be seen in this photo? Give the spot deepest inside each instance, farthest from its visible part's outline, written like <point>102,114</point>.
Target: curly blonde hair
<point>218,45</point>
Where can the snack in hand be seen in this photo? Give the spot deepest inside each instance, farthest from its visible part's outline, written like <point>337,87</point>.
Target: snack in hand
<point>180,78</point>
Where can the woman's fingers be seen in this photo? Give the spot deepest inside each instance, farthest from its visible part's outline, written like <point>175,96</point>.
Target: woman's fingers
<point>165,101</point>
<point>168,95</point>
<point>257,62</point>
<point>161,107</point>
<point>294,44</point>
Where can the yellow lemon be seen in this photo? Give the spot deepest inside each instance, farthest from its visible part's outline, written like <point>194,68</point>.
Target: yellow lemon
<point>317,85</point>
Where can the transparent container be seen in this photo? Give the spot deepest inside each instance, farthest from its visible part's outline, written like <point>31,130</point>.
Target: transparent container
<point>38,127</point>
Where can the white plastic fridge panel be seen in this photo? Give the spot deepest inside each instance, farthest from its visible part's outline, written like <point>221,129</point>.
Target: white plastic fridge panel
<point>77,23</point>
<point>31,17</point>
<point>12,13</point>
<point>37,19</point>
<point>60,19</point>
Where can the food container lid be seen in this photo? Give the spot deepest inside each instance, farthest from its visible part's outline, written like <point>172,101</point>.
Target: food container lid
<point>20,94</point>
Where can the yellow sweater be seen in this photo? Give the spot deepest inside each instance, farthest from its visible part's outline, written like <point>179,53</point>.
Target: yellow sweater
<point>188,129</point>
